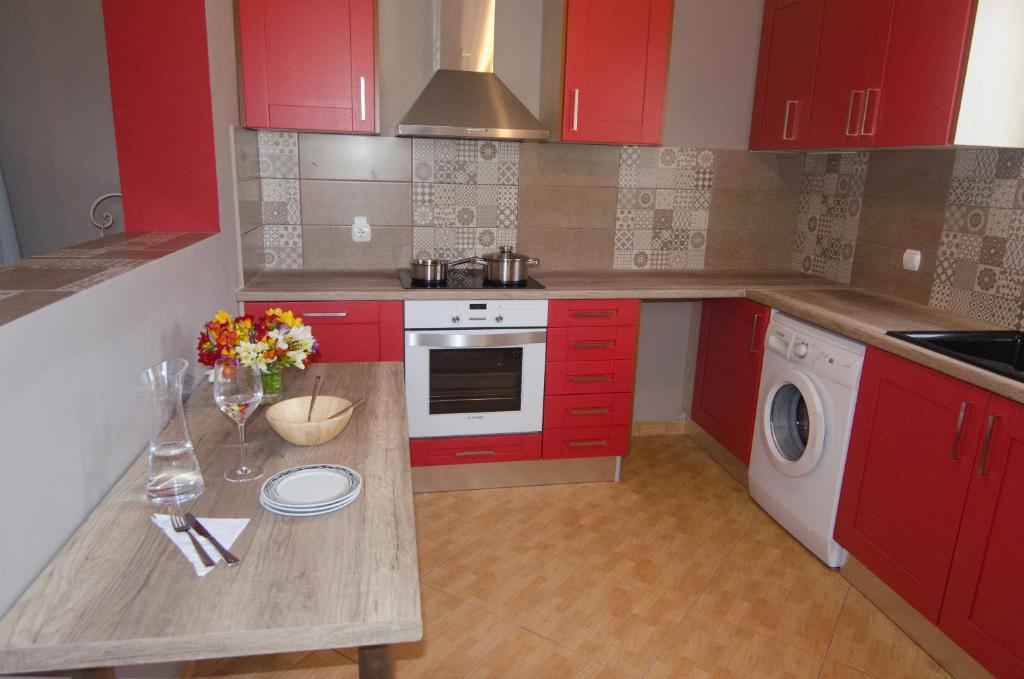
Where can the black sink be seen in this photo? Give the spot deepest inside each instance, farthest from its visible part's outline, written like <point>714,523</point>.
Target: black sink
<point>1000,351</point>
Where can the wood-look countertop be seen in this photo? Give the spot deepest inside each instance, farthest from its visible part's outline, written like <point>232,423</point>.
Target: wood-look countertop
<point>120,593</point>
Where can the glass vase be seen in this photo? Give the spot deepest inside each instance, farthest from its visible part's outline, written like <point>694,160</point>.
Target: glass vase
<point>173,475</point>
<point>273,387</point>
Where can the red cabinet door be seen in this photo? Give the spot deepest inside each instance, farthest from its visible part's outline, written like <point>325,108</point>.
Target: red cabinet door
<point>853,35</point>
<point>308,64</point>
<point>984,599</point>
<point>729,371</point>
<point>616,61</point>
<point>785,73</point>
<point>915,101</point>
<point>348,332</point>
<point>915,438</point>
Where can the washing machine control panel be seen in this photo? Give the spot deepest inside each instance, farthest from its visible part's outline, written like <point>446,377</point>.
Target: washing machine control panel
<point>826,360</point>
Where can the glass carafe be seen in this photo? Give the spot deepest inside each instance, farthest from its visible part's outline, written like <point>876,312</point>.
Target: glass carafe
<point>174,475</point>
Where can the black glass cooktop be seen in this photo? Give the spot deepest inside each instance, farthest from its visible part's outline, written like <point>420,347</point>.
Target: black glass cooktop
<point>465,279</point>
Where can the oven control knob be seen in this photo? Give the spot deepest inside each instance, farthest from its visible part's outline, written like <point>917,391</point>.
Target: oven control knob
<point>499,319</point>
<point>800,350</point>
<point>456,319</point>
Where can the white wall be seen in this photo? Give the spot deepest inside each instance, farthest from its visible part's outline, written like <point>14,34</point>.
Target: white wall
<point>666,358</point>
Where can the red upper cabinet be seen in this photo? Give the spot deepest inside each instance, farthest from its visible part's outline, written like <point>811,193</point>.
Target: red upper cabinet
<point>984,599</point>
<point>729,371</point>
<point>916,434</point>
<point>785,73</point>
<point>616,61</point>
<point>308,64</point>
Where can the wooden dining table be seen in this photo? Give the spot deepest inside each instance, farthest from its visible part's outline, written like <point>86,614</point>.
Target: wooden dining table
<point>120,593</point>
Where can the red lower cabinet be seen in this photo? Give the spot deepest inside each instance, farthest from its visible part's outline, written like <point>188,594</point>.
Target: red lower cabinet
<point>349,332</point>
<point>588,410</point>
<point>470,449</point>
<point>586,441</point>
<point>588,377</point>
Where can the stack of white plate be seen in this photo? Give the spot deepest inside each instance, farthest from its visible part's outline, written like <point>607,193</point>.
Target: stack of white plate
<point>311,490</point>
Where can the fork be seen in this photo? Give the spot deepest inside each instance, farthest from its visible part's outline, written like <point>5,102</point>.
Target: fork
<point>181,526</point>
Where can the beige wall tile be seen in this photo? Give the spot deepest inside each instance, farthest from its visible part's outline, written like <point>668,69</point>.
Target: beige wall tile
<point>337,202</point>
<point>742,170</point>
<point>567,207</point>
<point>880,269</point>
<point>562,249</point>
<point>901,223</point>
<point>247,153</point>
<point>751,229</point>
<point>914,175</point>
<point>342,156</point>
<point>252,252</point>
<point>568,165</point>
<point>249,211</point>
<point>331,247</point>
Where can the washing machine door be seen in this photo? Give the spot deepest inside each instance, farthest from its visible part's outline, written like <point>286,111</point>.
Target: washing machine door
<point>794,423</point>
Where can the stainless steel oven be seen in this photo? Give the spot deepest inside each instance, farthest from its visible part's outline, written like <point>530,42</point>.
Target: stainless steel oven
<point>474,366</point>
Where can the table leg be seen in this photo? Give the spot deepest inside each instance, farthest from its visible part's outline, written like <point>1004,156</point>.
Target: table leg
<point>376,662</point>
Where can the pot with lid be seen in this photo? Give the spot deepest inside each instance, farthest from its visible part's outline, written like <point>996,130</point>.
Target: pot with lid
<point>434,271</point>
<point>506,267</point>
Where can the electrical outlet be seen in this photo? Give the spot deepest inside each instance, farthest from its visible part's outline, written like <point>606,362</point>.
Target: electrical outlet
<point>361,232</point>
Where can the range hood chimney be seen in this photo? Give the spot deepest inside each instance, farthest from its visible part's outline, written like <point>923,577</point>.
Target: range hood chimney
<point>464,98</point>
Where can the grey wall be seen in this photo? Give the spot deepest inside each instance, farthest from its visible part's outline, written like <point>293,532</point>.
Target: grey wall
<point>56,128</point>
<point>665,360</point>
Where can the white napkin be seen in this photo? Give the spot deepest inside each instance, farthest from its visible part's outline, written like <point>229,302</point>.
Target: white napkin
<point>225,530</point>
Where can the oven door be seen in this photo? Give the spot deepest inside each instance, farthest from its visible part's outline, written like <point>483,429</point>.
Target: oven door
<point>466,382</point>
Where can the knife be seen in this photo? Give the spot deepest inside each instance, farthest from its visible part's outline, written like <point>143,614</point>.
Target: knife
<point>230,558</point>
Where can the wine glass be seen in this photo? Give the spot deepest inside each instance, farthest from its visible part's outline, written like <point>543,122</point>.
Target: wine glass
<point>237,391</point>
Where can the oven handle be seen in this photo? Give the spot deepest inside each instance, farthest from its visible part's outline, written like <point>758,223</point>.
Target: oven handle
<point>449,340</point>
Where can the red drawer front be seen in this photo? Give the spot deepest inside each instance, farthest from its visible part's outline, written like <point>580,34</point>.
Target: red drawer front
<point>392,331</point>
<point>323,313</point>
<point>347,343</point>
<point>586,441</point>
<point>593,312</point>
<point>588,410</point>
<point>469,449</point>
<point>591,344</point>
<point>588,377</point>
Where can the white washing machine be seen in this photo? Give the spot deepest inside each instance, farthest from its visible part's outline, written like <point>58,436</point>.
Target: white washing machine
<point>809,382</point>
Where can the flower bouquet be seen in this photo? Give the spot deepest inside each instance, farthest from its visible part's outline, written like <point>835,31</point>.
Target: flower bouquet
<point>272,342</point>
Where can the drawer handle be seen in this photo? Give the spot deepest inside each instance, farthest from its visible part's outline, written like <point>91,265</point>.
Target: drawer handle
<point>595,443</point>
<point>590,378</point>
<point>854,94</point>
<point>753,334</point>
<point>326,314</point>
<point>786,136</point>
<point>983,458</point>
<point>593,314</point>
<point>473,453</point>
<point>592,345</point>
<point>954,453</point>
<point>590,411</point>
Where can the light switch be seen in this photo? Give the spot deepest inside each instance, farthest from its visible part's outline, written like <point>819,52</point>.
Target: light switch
<point>361,230</point>
<point>912,260</point>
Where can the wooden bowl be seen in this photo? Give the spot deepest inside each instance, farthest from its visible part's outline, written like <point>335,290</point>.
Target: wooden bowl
<point>288,419</point>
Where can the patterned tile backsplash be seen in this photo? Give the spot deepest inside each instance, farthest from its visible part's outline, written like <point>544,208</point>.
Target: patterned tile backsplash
<point>281,207</point>
<point>664,203</point>
<point>465,196</point>
<point>831,199</point>
<point>980,269</point>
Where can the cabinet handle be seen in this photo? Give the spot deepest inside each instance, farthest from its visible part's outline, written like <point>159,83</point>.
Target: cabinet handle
<point>786,136</point>
<point>954,453</point>
<point>575,109</point>
<point>753,334</point>
<point>591,345</point>
<point>874,114</point>
<point>588,444</point>
<point>589,411</point>
<point>590,378</point>
<point>592,314</point>
<point>983,458</point>
<point>472,453</point>
<point>326,314</point>
<point>849,113</point>
<point>362,97</point>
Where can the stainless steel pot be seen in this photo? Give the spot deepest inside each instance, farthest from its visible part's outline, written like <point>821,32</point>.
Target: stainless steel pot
<point>433,270</point>
<point>506,267</point>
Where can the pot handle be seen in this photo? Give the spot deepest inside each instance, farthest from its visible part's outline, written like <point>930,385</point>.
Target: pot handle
<point>464,260</point>
<point>533,262</point>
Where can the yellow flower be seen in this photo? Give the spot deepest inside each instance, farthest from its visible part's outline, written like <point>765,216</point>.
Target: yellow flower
<point>222,317</point>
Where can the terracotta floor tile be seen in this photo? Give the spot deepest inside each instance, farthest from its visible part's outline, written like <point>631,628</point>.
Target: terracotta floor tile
<point>500,576</point>
<point>605,619</point>
<point>244,668</point>
<point>797,608</point>
<point>321,665</point>
<point>833,670</point>
<point>704,646</point>
<point>524,655</point>
<point>868,641</point>
<point>766,543</point>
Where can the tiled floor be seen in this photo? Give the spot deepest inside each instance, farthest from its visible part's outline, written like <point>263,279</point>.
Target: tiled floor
<point>674,572</point>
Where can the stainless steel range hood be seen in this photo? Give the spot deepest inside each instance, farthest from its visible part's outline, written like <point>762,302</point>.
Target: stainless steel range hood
<point>464,98</point>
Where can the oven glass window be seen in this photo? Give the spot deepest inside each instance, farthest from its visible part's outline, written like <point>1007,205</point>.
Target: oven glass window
<point>476,380</point>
